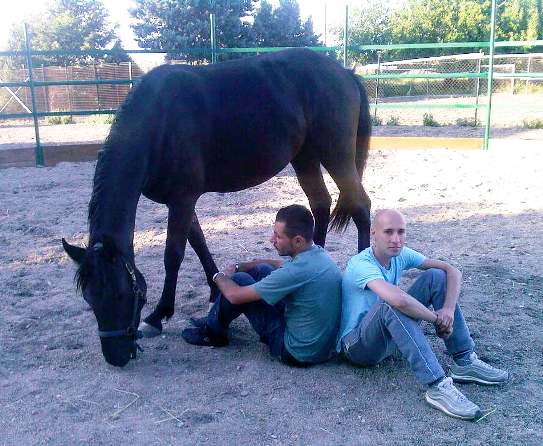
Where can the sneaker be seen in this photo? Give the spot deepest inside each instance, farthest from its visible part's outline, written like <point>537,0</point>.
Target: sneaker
<point>199,322</point>
<point>203,336</point>
<point>447,398</point>
<point>478,371</point>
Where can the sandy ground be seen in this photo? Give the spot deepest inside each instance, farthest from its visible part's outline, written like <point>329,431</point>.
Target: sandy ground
<point>480,210</point>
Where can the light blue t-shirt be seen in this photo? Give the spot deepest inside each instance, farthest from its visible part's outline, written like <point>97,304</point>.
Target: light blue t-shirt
<point>310,285</point>
<point>357,298</point>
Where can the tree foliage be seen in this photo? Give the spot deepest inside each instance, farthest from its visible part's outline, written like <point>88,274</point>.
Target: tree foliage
<point>172,24</point>
<point>282,26</point>
<point>67,25</point>
<point>369,25</point>
<point>463,21</point>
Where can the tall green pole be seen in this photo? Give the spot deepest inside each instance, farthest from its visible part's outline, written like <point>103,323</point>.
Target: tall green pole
<point>213,39</point>
<point>490,74</point>
<point>38,149</point>
<point>345,36</point>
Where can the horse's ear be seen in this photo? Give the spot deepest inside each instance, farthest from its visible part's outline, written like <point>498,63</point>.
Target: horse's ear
<point>76,253</point>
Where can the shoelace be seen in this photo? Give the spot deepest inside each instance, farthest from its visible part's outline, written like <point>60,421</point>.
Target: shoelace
<point>476,361</point>
<point>448,386</point>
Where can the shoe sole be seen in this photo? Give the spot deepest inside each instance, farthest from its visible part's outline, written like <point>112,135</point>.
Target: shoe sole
<point>437,405</point>
<point>473,379</point>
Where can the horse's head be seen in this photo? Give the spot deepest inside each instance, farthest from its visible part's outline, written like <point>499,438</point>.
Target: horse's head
<point>116,291</point>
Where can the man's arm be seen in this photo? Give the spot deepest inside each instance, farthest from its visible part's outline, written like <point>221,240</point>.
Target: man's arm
<point>247,266</point>
<point>402,301</point>
<point>233,292</point>
<point>454,280</point>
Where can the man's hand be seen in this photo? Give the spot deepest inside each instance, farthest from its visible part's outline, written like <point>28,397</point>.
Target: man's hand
<point>445,318</point>
<point>229,270</point>
<point>444,323</point>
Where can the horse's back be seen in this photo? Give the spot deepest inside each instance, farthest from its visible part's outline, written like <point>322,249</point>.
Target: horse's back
<point>238,123</point>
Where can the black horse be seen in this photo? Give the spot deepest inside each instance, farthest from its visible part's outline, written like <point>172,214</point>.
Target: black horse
<point>187,130</point>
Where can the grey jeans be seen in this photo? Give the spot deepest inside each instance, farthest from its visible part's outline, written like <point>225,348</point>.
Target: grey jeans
<point>384,327</point>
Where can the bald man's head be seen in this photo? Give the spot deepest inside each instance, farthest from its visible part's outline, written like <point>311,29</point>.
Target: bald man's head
<point>388,233</point>
<point>386,216</point>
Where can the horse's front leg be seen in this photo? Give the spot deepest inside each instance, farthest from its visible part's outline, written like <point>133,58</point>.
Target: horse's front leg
<point>180,217</point>
<point>198,243</point>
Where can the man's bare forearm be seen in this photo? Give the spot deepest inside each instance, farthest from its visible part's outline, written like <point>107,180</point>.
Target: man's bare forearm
<point>454,280</point>
<point>247,266</point>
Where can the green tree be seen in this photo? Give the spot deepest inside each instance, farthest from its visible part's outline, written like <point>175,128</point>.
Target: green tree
<point>67,25</point>
<point>463,21</point>
<point>172,24</point>
<point>430,21</point>
<point>282,26</point>
<point>368,25</point>
<point>120,55</point>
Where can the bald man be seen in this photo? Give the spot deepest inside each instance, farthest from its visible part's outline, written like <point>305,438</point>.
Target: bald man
<point>378,318</point>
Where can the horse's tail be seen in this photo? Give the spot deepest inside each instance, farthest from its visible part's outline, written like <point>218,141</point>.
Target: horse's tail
<point>346,203</point>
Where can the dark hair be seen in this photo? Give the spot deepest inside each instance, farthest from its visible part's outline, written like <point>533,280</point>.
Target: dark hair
<point>298,221</point>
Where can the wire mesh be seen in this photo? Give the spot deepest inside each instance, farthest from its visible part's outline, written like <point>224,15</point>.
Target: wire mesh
<point>443,101</point>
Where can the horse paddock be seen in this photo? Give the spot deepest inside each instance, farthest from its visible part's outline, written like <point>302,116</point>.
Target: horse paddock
<point>481,210</point>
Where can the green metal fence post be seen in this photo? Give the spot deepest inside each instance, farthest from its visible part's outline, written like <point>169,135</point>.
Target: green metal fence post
<point>490,74</point>
<point>377,84</point>
<point>346,36</point>
<point>38,150</point>
<point>478,86</point>
<point>213,39</point>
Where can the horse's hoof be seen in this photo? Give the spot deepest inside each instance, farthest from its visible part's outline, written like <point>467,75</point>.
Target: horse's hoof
<point>148,331</point>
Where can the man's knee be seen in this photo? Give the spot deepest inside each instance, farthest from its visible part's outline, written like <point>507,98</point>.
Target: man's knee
<point>264,269</point>
<point>243,279</point>
<point>436,276</point>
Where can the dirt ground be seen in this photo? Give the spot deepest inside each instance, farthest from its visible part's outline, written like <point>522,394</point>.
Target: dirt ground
<point>480,210</point>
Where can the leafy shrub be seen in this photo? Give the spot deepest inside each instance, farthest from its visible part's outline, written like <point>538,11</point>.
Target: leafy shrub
<point>533,124</point>
<point>393,120</point>
<point>101,119</point>
<point>429,121</point>
<point>467,122</point>
<point>68,120</point>
<point>54,120</point>
<point>376,120</point>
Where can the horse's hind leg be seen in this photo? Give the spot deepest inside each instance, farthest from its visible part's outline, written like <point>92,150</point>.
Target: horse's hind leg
<point>308,171</point>
<point>198,242</point>
<point>353,202</point>
<point>180,218</point>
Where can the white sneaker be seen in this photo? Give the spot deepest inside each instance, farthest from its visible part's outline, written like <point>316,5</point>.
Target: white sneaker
<point>447,398</point>
<point>478,371</point>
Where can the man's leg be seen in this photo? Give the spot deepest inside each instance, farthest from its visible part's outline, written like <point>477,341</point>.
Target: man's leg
<point>383,328</point>
<point>266,320</point>
<point>430,289</point>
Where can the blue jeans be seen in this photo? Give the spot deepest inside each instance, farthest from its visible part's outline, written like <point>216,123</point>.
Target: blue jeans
<point>384,327</point>
<point>267,320</point>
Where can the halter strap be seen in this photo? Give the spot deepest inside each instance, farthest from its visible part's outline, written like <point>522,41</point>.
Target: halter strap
<point>131,330</point>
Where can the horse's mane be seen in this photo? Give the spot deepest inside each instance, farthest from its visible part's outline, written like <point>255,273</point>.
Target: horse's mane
<point>106,164</point>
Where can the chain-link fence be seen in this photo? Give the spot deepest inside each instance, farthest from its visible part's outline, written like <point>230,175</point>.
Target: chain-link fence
<point>452,89</point>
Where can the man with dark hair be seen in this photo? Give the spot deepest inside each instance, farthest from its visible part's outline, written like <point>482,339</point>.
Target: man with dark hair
<point>294,306</point>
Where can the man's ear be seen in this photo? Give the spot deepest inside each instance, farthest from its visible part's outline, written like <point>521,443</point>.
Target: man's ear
<point>76,253</point>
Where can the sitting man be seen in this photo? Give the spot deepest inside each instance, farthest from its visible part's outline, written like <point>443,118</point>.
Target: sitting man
<point>294,306</point>
<point>378,317</point>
